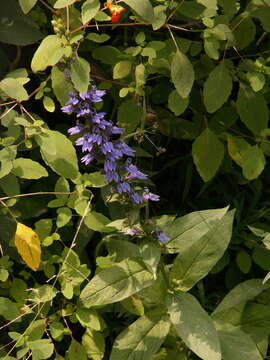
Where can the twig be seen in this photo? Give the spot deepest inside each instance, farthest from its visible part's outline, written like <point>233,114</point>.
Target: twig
<point>38,193</point>
<point>55,12</point>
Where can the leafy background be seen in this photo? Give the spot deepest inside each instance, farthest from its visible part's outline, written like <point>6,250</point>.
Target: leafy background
<point>188,81</point>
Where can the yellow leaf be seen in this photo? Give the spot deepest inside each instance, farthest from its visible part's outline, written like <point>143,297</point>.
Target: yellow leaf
<point>28,245</point>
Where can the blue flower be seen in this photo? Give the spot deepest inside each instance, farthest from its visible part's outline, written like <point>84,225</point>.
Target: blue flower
<point>147,195</point>
<point>161,236</point>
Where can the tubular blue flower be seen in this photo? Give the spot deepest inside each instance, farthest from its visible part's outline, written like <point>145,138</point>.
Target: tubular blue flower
<point>161,236</point>
<point>133,231</point>
<point>147,195</point>
<point>97,143</point>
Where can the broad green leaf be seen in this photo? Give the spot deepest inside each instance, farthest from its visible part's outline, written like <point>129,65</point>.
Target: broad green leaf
<point>63,3</point>
<point>15,27</point>
<point>28,169</point>
<point>143,338</point>
<point>188,229</point>
<point>214,99</point>
<point>43,294</point>
<point>94,344</point>
<point>97,222</point>
<point>194,326</point>
<point>10,185</point>
<point>121,69</point>
<point>208,152</point>
<point>129,115</point>
<point>133,305</point>
<point>106,54</point>
<point>61,87</point>
<point>176,103</point>
<point>14,89</point>
<point>80,74</point>
<point>142,8</point>
<point>160,16</point>
<point>244,30</point>
<point>150,253</point>
<point>61,155</point>
<point>36,329</point>
<point>244,261</point>
<point>76,351</point>
<point>194,263</point>
<point>57,330</point>
<point>89,10</point>
<point>41,349</point>
<point>237,345</point>
<point>243,292</point>
<point>253,162</point>
<point>27,5</point>
<point>120,250</point>
<point>116,283</point>
<point>252,109</point>
<point>28,245</point>
<point>49,52</point>
<point>236,148</point>
<point>255,321</point>
<point>89,318</point>
<point>182,74</point>
<point>8,309</point>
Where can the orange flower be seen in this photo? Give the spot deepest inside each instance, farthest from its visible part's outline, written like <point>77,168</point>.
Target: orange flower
<point>115,10</point>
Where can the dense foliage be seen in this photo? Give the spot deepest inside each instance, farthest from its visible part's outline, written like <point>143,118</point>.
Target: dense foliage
<point>134,179</point>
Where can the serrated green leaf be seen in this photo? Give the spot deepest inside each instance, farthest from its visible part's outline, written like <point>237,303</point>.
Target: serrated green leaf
<point>90,9</point>
<point>214,99</point>
<point>252,109</point>
<point>49,52</point>
<point>28,169</point>
<point>14,89</point>
<point>142,338</point>
<point>194,326</point>
<point>208,152</point>
<point>182,74</point>
<point>142,8</point>
<point>116,283</point>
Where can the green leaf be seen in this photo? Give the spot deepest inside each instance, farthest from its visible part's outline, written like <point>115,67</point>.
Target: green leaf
<point>89,10</point>
<point>41,349</point>
<point>27,5</point>
<point>252,109</point>
<point>143,338</point>
<point>63,3</point>
<point>244,261</point>
<point>121,69</point>
<point>237,345</point>
<point>150,253</point>
<point>36,329</point>
<point>98,38</point>
<point>194,263</point>
<point>256,80</point>
<point>98,222</point>
<point>129,115</point>
<point>8,309</point>
<point>48,104</point>
<point>94,344</point>
<point>243,292</point>
<point>188,229</point>
<point>182,74</point>
<point>255,321</point>
<point>176,103</point>
<point>208,152</point>
<point>49,52</point>
<point>160,17</point>
<point>214,99</point>
<point>43,294</point>
<point>116,283</point>
<point>80,74</point>
<point>253,162</point>
<point>64,216</point>
<point>15,27</point>
<point>10,185</point>
<point>89,318</point>
<point>194,326</point>
<point>28,169</point>
<point>76,351</point>
<point>60,155</point>
<point>106,54</point>
<point>14,89</point>
<point>142,8</point>
<point>61,87</point>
